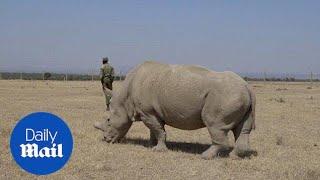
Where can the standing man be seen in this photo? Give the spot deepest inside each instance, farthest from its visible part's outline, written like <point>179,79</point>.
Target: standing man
<point>106,77</point>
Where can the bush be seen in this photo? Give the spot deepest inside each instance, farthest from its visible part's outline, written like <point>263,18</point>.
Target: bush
<point>46,75</point>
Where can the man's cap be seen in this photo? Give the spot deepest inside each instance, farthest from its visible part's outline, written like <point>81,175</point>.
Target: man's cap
<point>105,59</point>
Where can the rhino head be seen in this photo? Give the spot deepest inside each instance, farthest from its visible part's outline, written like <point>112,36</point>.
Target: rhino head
<point>115,126</point>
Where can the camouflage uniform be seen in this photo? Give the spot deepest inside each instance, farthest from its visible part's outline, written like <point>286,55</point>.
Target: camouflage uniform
<point>106,77</point>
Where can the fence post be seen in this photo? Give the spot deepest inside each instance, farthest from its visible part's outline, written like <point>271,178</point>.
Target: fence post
<point>92,72</point>
<point>311,78</point>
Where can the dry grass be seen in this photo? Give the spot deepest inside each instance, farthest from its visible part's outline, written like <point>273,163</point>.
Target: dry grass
<point>286,139</point>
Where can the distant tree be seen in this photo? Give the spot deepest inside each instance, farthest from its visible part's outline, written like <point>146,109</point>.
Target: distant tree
<point>47,75</point>
<point>292,79</point>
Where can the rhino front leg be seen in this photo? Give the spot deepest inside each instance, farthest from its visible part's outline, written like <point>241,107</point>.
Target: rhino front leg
<point>157,132</point>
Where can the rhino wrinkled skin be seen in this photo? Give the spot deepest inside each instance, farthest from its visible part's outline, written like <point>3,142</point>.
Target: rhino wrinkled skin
<point>185,97</point>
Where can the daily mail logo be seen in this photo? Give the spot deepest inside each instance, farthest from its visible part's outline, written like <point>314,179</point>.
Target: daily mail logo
<point>32,150</point>
<point>41,143</point>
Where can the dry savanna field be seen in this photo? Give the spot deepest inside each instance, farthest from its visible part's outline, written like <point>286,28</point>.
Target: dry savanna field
<point>287,137</point>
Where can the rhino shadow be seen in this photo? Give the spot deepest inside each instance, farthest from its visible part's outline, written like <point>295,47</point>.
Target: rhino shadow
<point>193,148</point>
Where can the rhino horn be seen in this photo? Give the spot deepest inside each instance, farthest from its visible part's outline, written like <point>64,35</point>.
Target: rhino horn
<point>98,125</point>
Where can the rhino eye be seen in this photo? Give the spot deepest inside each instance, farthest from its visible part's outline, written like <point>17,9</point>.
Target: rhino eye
<point>108,119</point>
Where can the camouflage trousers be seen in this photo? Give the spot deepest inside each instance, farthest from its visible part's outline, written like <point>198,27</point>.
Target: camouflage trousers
<point>107,84</point>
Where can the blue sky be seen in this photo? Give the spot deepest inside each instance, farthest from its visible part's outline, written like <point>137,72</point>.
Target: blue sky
<point>242,36</point>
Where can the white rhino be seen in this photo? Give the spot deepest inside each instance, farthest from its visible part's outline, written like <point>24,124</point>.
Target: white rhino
<point>185,97</point>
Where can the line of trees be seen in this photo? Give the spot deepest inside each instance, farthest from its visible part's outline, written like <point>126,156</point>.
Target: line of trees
<point>86,77</point>
<point>287,79</point>
<point>54,76</point>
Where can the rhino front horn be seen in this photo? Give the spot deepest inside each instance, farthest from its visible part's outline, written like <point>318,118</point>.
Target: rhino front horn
<point>98,125</point>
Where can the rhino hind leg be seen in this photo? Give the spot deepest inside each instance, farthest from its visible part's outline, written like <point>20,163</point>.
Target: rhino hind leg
<point>241,135</point>
<point>218,128</point>
<point>157,132</point>
<point>153,139</point>
<point>220,143</point>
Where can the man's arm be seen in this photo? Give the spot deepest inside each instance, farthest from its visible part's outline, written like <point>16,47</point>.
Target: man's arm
<point>112,73</point>
<point>101,75</point>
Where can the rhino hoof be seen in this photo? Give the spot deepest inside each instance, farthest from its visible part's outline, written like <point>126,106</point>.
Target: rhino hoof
<point>233,155</point>
<point>207,156</point>
<point>210,153</point>
<point>159,148</point>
